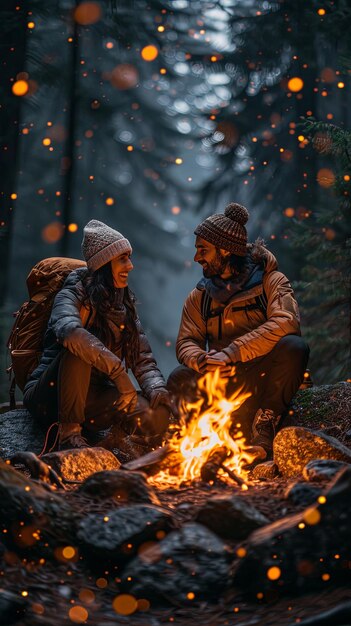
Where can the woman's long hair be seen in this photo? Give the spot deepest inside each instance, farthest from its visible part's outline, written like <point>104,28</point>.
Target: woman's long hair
<point>100,296</point>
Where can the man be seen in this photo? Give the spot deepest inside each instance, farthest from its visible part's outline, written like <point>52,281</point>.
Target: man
<point>242,317</point>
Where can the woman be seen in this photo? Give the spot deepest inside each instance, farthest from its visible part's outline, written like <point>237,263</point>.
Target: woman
<point>93,337</point>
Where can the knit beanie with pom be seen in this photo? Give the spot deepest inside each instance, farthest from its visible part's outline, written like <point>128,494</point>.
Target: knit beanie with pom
<point>226,230</point>
<point>101,244</point>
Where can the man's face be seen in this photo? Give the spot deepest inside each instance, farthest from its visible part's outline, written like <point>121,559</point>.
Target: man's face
<point>214,262</point>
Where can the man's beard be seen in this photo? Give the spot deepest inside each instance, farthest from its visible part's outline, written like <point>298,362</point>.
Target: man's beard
<point>216,267</point>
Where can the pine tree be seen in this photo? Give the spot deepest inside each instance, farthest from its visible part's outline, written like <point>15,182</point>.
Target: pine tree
<point>325,286</point>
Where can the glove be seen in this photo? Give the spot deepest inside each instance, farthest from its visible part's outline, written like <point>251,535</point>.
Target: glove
<point>128,398</point>
<point>159,396</point>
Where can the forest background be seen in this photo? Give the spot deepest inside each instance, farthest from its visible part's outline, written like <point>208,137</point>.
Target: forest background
<point>151,116</point>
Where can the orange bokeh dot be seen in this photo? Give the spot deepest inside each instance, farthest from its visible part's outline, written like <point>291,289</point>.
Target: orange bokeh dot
<point>109,201</point>
<point>295,84</point>
<point>149,53</point>
<point>51,233</point>
<point>321,11</point>
<point>125,604</point>
<point>143,604</point>
<point>88,13</point>
<point>87,596</point>
<point>68,552</point>
<point>13,196</point>
<point>176,210</point>
<point>274,573</point>
<point>289,212</point>
<point>72,228</point>
<point>325,177</point>
<point>124,76</point>
<point>46,141</point>
<point>312,517</point>
<point>78,614</point>
<point>20,88</point>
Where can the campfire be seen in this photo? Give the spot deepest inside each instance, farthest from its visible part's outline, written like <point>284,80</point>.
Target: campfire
<point>207,443</point>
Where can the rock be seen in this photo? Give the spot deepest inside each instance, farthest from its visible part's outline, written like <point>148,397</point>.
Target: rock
<point>230,517</point>
<point>303,551</point>
<point>32,514</point>
<point>322,469</point>
<point>323,406</point>
<point>189,564</point>
<point>265,471</point>
<point>122,486</point>
<point>118,534</point>
<point>302,493</point>
<point>294,447</point>
<point>18,431</point>
<point>79,463</point>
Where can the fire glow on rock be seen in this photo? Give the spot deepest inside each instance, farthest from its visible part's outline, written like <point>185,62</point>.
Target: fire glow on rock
<point>205,426</point>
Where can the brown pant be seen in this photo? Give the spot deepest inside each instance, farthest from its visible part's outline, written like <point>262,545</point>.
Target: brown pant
<point>70,390</point>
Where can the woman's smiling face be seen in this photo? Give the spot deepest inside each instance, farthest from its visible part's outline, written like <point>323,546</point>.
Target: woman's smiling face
<point>121,266</point>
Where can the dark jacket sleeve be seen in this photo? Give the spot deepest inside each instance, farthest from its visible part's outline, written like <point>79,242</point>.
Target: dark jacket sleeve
<point>66,323</point>
<point>145,370</point>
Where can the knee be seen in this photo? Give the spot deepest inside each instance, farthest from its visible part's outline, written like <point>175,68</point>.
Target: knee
<point>294,347</point>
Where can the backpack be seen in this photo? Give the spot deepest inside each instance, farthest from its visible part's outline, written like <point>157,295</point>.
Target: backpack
<point>260,304</point>
<point>25,342</point>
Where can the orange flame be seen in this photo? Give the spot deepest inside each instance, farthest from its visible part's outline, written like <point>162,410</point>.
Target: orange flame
<point>205,426</point>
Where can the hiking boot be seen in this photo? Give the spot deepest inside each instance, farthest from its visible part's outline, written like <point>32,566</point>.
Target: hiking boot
<point>264,429</point>
<point>113,439</point>
<point>70,437</point>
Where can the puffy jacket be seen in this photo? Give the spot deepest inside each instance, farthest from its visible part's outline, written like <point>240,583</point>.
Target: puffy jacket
<point>247,333</point>
<point>65,330</point>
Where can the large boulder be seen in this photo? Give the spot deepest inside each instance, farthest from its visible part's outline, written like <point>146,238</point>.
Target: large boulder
<point>302,551</point>
<point>295,446</point>
<point>121,486</point>
<point>230,517</point>
<point>324,407</point>
<point>117,535</point>
<point>32,516</point>
<point>78,464</point>
<point>322,470</point>
<point>189,564</point>
<point>18,432</point>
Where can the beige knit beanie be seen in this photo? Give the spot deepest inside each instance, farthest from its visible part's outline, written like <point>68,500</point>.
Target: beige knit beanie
<point>226,231</point>
<point>101,244</point>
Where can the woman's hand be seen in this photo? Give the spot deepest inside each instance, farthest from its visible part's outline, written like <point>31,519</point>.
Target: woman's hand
<point>128,398</point>
<point>159,396</point>
<point>127,402</point>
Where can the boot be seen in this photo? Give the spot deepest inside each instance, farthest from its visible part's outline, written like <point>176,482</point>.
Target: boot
<point>113,439</point>
<point>70,436</point>
<point>264,429</point>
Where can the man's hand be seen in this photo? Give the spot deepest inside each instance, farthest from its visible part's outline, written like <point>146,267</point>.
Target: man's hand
<point>210,361</point>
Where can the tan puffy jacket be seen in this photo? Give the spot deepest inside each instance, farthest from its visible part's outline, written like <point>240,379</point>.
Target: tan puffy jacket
<point>242,334</point>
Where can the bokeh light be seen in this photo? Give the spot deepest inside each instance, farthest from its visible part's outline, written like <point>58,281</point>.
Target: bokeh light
<point>20,88</point>
<point>124,76</point>
<point>125,604</point>
<point>51,233</point>
<point>273,573</point>
<point>78,614</point>
<point>149,53</point>
<point>88,13</point>
<point>325,177</point>
<point>295,84</point>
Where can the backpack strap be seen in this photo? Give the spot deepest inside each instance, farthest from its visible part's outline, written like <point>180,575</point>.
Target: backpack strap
<point>260,304</point>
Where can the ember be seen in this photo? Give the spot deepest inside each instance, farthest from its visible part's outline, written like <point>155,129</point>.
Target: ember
<point>205,445</point>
